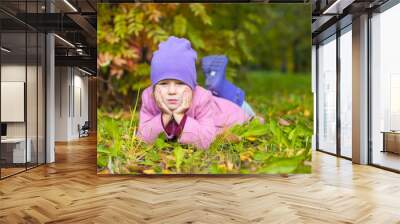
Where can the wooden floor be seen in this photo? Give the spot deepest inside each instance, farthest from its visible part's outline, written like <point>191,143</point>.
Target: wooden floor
<point>10,171</point>
<point>69,191</point>
<point>387,159</point>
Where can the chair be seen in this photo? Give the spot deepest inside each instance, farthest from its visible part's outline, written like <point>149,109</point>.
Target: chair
<point>84,130</point>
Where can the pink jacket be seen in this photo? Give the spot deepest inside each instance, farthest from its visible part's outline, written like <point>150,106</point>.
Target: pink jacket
<point>206,117</point>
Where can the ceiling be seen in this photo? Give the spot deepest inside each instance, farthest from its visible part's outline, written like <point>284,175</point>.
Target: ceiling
<point>72,20</point>
<point>330,15</point>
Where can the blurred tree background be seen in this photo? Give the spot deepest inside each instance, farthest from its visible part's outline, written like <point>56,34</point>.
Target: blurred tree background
<point>268,37</point>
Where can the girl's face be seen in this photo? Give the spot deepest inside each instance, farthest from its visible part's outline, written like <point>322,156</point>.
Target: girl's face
<point>172,92</point>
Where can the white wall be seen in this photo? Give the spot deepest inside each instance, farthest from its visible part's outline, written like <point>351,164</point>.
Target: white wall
<point>61,103</point>
<point>34,125</point>
<point>80,100</point>
<point>71,93</point>
<point>15,72</point>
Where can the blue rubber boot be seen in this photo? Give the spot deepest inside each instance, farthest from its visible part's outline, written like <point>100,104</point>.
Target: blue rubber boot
<point>214,68</point>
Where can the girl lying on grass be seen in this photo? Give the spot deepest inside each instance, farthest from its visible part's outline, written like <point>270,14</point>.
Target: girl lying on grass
<point>175,105</point>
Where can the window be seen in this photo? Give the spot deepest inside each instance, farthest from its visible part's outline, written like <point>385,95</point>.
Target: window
<point>346,92</point>
<point>385,88</point>
<point>327,95</point>
<point>22,76</point>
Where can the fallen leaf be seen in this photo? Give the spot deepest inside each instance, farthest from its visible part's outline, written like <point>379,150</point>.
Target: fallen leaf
<point>307,113</point>
<point>250,138</point>
<point>231,138</point>
<point>150,171</point>
<point>105,171</point>
<point>134,168</point>
<point>283,122</point>
<point>229,165</point>
<point>246,156</point>
<point>166,172</point>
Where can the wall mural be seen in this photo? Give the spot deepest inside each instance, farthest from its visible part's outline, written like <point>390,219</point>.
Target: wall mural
<point>204,89</point>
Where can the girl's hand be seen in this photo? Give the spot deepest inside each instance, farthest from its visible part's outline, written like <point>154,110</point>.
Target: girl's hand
<point>160,103</point>
<point>186,102</point>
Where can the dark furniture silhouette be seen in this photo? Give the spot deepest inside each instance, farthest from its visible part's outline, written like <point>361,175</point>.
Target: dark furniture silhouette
<point>84,129</point>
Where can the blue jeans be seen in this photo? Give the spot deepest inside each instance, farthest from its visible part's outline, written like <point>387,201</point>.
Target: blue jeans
<point>247,108</point>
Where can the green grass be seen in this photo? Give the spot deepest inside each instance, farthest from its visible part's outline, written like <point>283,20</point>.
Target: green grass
<point>281,145</point>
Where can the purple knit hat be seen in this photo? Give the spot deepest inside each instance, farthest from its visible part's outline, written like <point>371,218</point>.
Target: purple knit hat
<point>174,59</point>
